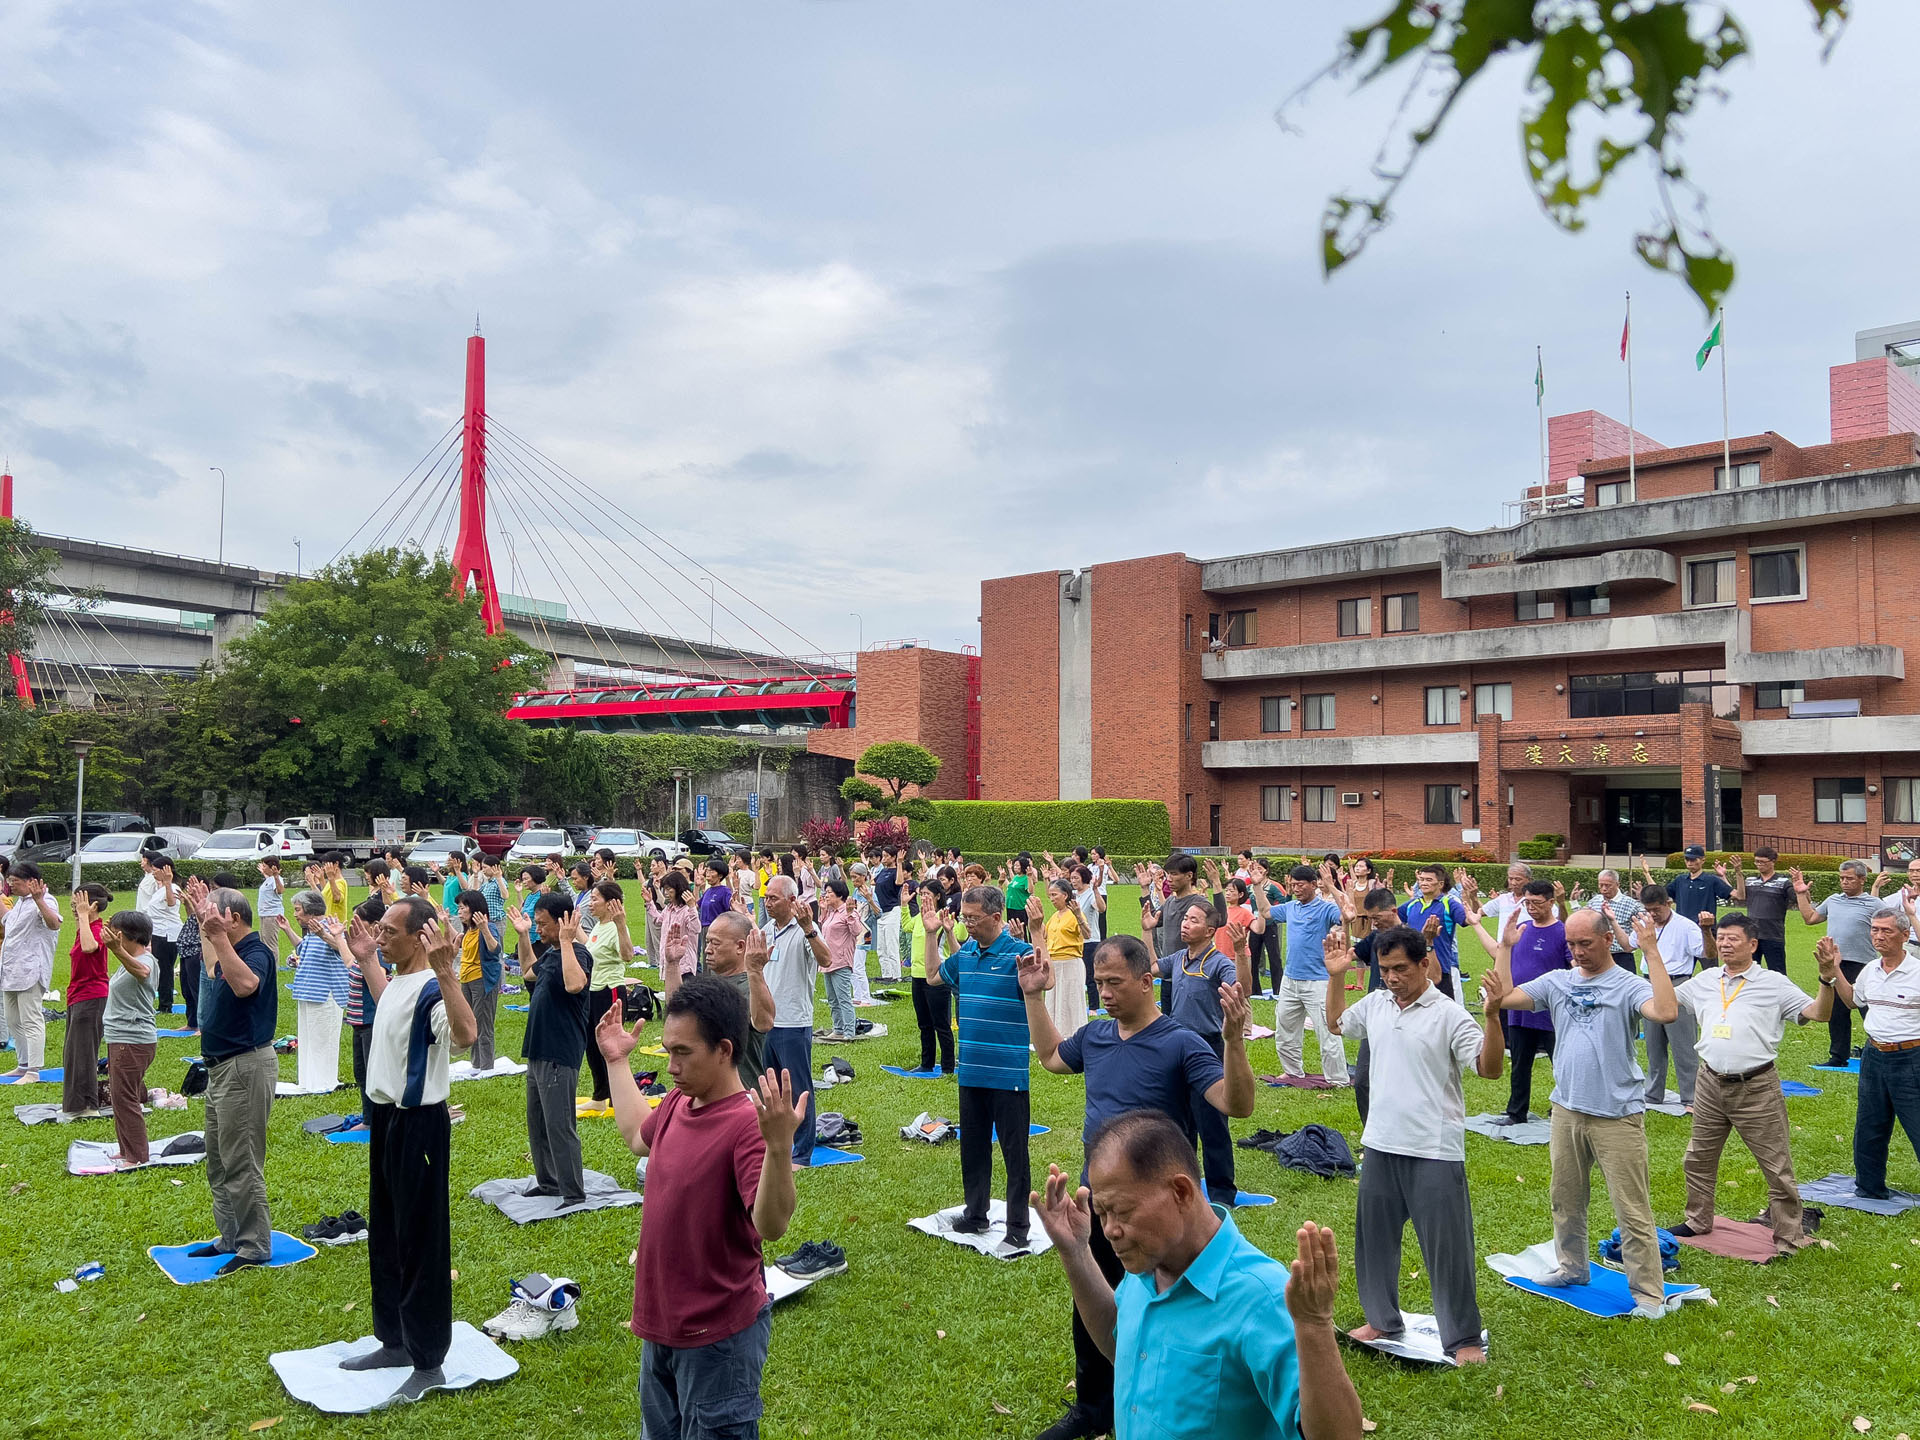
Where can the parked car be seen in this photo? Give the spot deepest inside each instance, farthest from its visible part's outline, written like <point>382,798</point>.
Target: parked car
<point>125,845</point>
<point>251,842</point>
<point>110,822</point>
<point>637,845</point>
<point>581,835</point>
<point>186,840</point>
<point>711,842</point>
<point>37,838</point>
<point>434,847</point>
<point>538,844</point>
<point>496,833</point>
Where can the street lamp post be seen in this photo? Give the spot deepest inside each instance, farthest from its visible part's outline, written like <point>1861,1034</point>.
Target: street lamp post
<point>221,554</point>
<point>80,749</point>
<point>679,774</point>
<point>296,557</point>
<point>863,629</point>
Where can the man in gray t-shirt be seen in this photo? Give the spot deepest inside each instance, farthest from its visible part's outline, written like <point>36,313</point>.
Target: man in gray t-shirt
<point>1598,1106</point>
<point>1848,916</point>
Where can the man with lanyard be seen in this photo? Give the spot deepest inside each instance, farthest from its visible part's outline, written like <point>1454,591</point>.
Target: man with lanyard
<point>1161,923</point>
<point>886,924</point>
<point>1309,917</point>
<point>1621,910</point>
<point>1697,894</point>
<point>993,1069</point>
<point>1205,1333</point>
<point>1134,1059</point>
<point>1416,1143</point>
<point>1888,992</point>
<point>422,1015</point>
<point>1742,1012</point>
<point>795,950</point>
<point>1199,971</point>
<point>1681,946</point>
<point>1437,916</point>
<point>1767,897</point>
<point>1532,943</point>
<point>1599,1102</point>
<point>1848,917</point>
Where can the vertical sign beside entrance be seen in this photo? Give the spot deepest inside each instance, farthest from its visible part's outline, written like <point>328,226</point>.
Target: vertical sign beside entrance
<point>1713,807</point>
<point>700,808</point>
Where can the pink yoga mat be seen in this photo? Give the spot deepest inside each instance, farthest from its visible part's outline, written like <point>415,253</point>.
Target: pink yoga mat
<point>1736,1239</point>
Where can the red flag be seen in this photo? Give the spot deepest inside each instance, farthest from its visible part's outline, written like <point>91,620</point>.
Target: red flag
<point>1625,328</point>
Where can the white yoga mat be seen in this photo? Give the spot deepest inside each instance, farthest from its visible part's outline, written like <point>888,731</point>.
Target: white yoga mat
<point>284,1088</point>
<point>993,1240</point>
<point>315,1376</point>
<point>96,1157</point>
<point>782,1286</point>
<point>502,1065</point>
<point>1418,1340</point>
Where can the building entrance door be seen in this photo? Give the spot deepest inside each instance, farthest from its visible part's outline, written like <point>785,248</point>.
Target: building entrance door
<point>1645,821</point>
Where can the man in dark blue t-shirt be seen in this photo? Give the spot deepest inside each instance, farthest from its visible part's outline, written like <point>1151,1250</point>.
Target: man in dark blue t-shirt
<point>1136,1059</point>
<point>554,1043</point>
<point>886,924</point>
<point>240,1009</point>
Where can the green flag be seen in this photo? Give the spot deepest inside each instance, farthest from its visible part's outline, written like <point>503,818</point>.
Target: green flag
<point>1539,381</point>
<point>1707,347</point>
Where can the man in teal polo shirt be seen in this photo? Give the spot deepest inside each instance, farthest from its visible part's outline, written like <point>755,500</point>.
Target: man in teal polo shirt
<point>1208,1336</point>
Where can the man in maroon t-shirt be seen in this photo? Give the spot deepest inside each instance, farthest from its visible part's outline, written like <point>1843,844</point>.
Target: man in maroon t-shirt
<point>719,1183</point>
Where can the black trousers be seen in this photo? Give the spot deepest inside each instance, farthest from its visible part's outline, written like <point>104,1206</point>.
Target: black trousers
<point>1092,1371</point>
<point>1264,948</point>
<point>1840,1023</point>
<point>1216,1142</point>
<point>1363,1080</point>
<point>1087,952</point>
<point>409,1249</point>
<point>1773,954</point>
<point>362,1043</point>
<point>933,1009</point>
<point>192,972</point>
<point>166,952</point>
<point>1522,1045</point>
<point>982,1112</point>
<point>598,1003</point>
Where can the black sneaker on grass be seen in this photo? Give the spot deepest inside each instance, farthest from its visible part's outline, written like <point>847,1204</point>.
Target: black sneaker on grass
<point>814,1259</point>
<point>1079,1423</point>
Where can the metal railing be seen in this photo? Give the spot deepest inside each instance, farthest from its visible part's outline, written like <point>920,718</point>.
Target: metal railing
<point>1802,845</point>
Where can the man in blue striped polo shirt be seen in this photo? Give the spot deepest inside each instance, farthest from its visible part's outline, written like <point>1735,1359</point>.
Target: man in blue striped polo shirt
<point>985,974</point>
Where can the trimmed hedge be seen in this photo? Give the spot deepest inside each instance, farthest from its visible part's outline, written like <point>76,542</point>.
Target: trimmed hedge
<point>1785,862</point>
<point>1131,827</point>
<point>1536,849</point>
<point>1493,878</point>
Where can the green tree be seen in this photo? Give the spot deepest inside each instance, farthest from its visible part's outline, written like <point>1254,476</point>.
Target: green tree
<point>370,689</point>
<point>1626,75</point>
<point>565,776</point>
<point>896,765</point>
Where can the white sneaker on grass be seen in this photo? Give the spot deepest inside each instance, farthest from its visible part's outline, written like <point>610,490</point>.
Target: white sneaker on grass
<point>539,1307</point>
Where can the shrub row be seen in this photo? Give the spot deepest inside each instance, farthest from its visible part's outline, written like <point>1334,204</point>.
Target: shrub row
<point>1745,857</point>
<point>1132,827</point>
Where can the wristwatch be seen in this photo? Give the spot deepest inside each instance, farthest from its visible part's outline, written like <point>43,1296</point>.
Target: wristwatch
<point>1828,983</point>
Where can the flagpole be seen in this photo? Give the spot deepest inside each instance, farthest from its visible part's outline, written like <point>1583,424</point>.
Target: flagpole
<point>1632,493</point>
<point>1540,405</point>
<point>1726,433</point>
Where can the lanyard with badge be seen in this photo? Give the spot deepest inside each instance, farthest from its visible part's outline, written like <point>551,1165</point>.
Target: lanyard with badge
<point>1724,1031</point>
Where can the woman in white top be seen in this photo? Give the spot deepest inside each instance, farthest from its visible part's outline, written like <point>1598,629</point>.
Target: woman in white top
<point>159,900</point>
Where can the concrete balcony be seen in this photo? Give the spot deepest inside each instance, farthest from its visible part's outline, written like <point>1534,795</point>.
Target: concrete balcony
<point>1838,735</point>
<point>1679,630</point>
<point>1328,752</point>
<point>1833,662</point>
<point>1615,567</point>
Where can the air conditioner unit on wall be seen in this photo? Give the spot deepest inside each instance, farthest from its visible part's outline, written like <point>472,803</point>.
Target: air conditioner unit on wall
<point>1349,797</point>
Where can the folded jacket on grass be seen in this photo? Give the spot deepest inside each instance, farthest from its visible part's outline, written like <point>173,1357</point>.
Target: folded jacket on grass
<point>991,1241</point>
<point>511,1199</point>
<point>1796,1088</point>
<point>1605,1294</point>
<point>463,1069</point>
<point>915,1074</point>
<point>1735,1239</point>
<point>184,1269</point>
<point>1418,1341</point>
<point>1312,1148</point>
<point>315,1377</point>
<point>827,1155</point>
<point>41,1077</point>
<point>1532,1131</point>
<point>1852,1067</point>
<point>96,1157</point>
<point>1838,1190</point>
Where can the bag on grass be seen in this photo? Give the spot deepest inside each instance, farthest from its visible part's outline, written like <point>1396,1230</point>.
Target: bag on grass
<point>195,1082</point>
<point>637,1001</point>
<point>928,1129</point>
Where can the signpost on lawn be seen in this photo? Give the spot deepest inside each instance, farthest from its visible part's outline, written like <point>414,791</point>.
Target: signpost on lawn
<point>753,814</point>
<point>700,809</point>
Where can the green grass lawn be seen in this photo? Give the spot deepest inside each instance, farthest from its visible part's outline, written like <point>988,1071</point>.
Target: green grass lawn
<point>858,1356</point>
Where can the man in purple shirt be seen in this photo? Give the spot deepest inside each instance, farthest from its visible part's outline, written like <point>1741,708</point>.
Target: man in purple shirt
<point>715,900</point>
<point>1529,947</point>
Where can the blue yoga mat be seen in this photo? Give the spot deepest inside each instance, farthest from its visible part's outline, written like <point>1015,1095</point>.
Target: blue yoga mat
<point>1242,1199</point>
<point>179,1010</point>
<point>1794,1087</point>
<point>1031,1130</point>
<point>915,1074</point>
<point>827,1155</point>
<point>355,1136</point>
<point>52,1076</point>
<point>1852,1067</point>
<point>176,1034</point>
<point>181,1270</point>
<point>521,1008</point>
<point>1605,1294</point>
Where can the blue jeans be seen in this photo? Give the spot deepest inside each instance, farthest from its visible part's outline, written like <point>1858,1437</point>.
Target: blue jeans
<point>705,1392</point>
<point>790,1048</point>
<point>1889,1091</point>
<point>840,1000</point>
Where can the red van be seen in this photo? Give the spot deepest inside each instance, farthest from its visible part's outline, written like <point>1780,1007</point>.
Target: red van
<point>496,833</point>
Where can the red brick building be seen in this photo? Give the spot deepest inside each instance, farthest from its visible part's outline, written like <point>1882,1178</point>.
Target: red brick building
<point>920,695</point>
<point>1652,655</point>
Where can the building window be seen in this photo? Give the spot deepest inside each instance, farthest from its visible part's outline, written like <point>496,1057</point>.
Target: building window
<point>1745,476</point>
<point>1186,812</point>
<point>1589,600</point>
<point>1402,614</point>
<point>1533,605</point>
<point>1493,700</point>
<point>1240,627</point>
<point>1778,574</point>
<point>1276,802</point>
<point>1276,714</point>
<point>1903,799</point>
<point>1213,625</point>
<point>1322,801</point>
<point>1840,802</point>
<point>1443,705</point>
<point>1612,492</point>
<point>1710,582</point>
<point>1777,696</point>
<point>1318,712</point>
<point>1186,632</point>
<point>1186,722</point>
<point>1443,804</point>
<point>1651,692</point>
<point>1213,720</point>
<point>1356,617</point>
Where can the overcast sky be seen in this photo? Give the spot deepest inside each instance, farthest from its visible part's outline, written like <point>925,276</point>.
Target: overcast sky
<point>858,303</point>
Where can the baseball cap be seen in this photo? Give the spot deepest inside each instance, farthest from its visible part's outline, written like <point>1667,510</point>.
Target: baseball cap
<point>1695,852</point>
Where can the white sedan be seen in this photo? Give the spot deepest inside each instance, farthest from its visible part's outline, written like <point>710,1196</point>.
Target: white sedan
<point>638,845</point>
<point>255,842</point>
<point>536,845</point>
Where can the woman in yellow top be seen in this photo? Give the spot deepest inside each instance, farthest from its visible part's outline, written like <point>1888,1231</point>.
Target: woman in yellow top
<point>333,890</point>
<point>1066,947</point>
